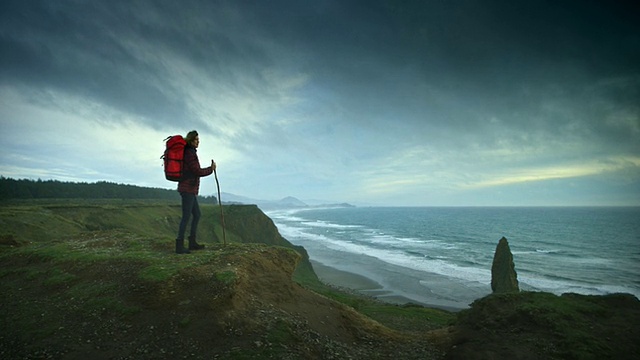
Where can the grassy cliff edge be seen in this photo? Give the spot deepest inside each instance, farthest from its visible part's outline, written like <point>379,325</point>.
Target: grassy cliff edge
<point>100,278</point>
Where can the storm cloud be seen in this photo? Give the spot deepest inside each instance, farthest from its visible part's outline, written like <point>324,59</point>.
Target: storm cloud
<point>410,103</point>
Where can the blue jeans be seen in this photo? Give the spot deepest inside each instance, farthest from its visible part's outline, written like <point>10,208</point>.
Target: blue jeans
<point>189,207</point>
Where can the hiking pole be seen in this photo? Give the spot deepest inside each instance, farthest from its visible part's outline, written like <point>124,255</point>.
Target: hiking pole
<point>224,235</point>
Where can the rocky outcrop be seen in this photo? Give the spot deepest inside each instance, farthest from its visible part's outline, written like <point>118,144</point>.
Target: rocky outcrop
<point>503,273</point>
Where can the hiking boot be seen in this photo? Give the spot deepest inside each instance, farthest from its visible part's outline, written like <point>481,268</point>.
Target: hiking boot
<point>193,245</point>
<point>180,249</point>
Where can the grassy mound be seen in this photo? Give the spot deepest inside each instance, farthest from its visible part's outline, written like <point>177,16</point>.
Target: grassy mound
<point>538,325</point>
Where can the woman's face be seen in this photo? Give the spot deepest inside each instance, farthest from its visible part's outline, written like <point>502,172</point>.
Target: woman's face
<point>195,142</point>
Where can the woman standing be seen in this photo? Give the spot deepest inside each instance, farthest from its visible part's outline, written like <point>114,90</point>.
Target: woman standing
<point>188,188</point>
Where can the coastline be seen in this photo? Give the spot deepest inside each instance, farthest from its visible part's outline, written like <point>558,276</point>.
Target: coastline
<point>366,286</point>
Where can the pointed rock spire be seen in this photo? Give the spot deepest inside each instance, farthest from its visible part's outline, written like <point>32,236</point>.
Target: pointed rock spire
<point>503,273</point>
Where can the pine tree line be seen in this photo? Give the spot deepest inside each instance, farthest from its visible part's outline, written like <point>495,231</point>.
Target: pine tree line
<point>53,189</point>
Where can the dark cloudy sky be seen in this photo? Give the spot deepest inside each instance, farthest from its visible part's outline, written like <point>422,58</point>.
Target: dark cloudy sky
<point>379,102</point>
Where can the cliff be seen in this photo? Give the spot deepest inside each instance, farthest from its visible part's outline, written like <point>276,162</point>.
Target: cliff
<point>99,279</point>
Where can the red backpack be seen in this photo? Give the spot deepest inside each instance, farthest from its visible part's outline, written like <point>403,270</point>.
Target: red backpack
<point>173,157</point>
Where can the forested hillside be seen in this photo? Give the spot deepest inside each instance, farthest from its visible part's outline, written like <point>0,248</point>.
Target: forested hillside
<point>53,189</point>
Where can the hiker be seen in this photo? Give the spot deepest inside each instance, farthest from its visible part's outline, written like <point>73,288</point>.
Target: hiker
<point>188,188</point>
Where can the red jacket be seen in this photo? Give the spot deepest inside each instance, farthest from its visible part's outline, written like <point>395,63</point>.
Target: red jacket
<point>192,172</point>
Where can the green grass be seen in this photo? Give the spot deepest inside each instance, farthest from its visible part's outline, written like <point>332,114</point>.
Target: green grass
<point>409,317</point>
<point>400,317</point>
<point>573,326</point>
<point>89,231</point>
<point>68,238</point>
<point>59,277</point>
<point>159,272</point>
<point>111,305</point>
<point>226,277</point>
<point>90,290</point>
<point>280,333</point>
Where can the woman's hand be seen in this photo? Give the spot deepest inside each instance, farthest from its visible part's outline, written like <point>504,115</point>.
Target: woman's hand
<point>213,164</point>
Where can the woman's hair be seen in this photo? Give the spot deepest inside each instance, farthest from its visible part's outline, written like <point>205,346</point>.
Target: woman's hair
<point>191,136</point>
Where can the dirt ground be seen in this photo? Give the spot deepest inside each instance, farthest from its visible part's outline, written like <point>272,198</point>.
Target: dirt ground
<point>240,305</point>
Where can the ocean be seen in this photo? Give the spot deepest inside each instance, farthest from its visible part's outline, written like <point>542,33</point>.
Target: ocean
<point>442,256</point>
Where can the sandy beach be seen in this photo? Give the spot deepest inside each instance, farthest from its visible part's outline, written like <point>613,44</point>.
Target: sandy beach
<point>364,285</point>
